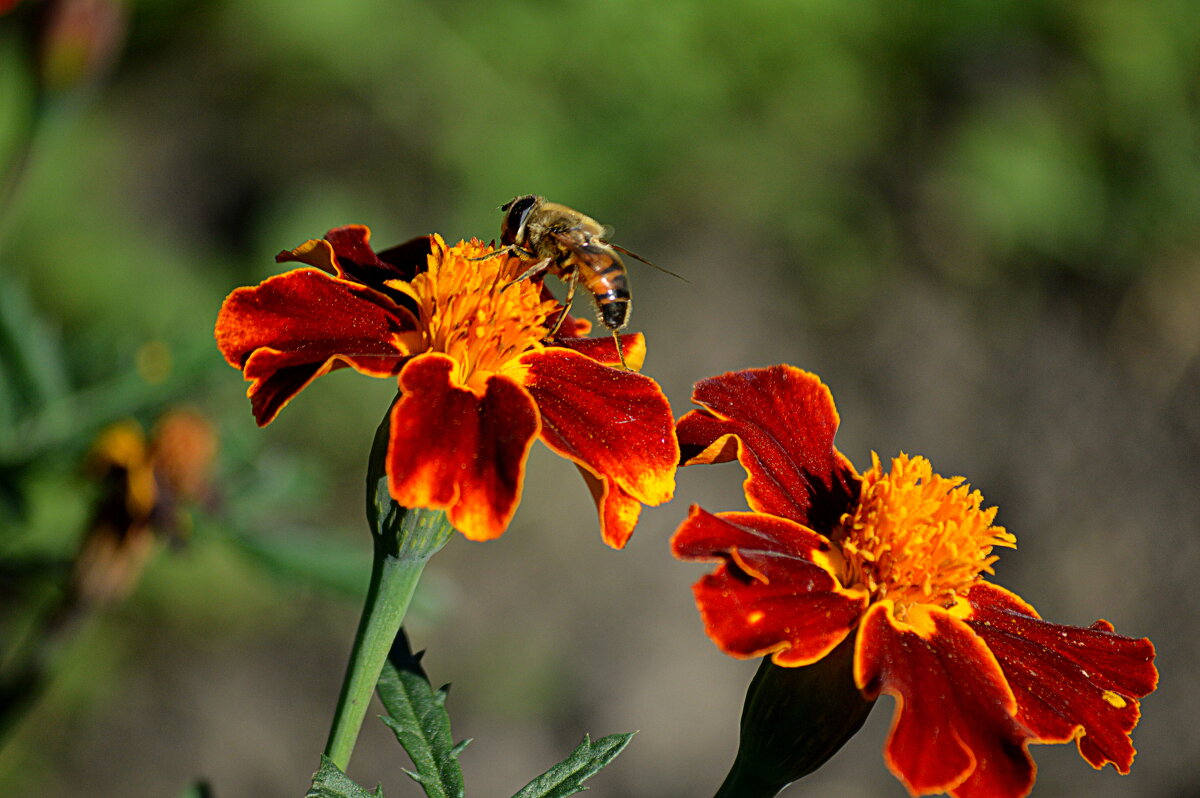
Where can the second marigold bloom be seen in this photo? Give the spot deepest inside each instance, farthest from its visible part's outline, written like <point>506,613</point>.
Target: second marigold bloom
<point>478,382</point>
<point>898,560</point>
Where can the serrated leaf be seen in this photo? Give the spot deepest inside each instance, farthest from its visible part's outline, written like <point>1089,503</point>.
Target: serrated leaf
<point>567,777</point>
<point>417,715</point>
<point>331,782</point>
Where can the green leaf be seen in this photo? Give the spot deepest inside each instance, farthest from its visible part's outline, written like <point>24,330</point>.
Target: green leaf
<point>200,789</point>
<point>31,354</point>
<point>299,556</point>
<point>68,422</point>
<point>417,715</point>
<point>331,782</point>
<point>567,777</point>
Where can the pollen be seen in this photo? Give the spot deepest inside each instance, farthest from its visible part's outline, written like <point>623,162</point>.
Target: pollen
<point>916,537</point>
<point>473,309</point>
<point>1114,699</point>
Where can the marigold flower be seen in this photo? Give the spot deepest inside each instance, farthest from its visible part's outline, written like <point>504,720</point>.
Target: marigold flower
<point>147,485</point>
<point>898,559</point>
<point>80,42</point>
<point>478,382</point>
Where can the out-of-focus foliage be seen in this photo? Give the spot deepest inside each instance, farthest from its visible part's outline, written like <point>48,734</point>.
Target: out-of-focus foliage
<point>978,219</point>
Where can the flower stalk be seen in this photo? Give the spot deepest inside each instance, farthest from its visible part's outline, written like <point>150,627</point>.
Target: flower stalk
<point>405,539</point>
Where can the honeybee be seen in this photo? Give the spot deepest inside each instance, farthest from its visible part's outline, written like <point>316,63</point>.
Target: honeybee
<point>566,243</point>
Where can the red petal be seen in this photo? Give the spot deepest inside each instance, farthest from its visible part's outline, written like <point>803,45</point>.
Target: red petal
<point>613,422</point>
<point>773,592</point>
<point>293,327</point>
<point>1068,681</point>
<point>359,262</point>
<point>451,449</point>
<point>618,510</point>
<point>346,252</point>
<point>604,350</point>
<point>953,729</point>
<point>315,252</point>
<point>572,326</point>
<point>783,420</point>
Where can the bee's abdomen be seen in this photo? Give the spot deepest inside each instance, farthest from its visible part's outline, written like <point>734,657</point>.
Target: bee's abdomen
<point>609,285</point>
<point>614,311</point>
<point>613,303</point>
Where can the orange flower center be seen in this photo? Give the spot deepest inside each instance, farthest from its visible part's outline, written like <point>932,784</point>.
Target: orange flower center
<point>472,310</point>
<point>916,537</point>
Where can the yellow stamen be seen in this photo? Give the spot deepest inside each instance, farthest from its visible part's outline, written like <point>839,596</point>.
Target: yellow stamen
<point>916,537</point>
<point>471,310</point>
<point>1114,699</point>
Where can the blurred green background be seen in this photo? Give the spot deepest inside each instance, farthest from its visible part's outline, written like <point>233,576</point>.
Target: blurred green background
<point>976,220</point>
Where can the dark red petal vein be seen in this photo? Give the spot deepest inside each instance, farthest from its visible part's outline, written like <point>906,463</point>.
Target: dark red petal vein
<point>785,421</point>
<point>1067,680</point>
<point>953,729</point>
<point>615,423</point>
<point>295,326</point>
<point>773,592</point>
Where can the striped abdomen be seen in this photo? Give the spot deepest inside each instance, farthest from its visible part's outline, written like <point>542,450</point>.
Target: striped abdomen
<point>604,276</point>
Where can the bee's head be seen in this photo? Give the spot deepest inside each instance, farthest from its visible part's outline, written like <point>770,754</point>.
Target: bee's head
<point>516,213</point>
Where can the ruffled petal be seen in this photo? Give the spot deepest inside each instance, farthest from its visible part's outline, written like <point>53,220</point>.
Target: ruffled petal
<point>346,252</point>
<point>774,591</point>
<point>953,729</point>
<point>293,327</point>
<point>780,422</point>
<point>358,261</point>
<point>615,423</point>
<point>619,511</point>
<point>1069,682</point>
<point>452,449</point>
<point>604,350</point>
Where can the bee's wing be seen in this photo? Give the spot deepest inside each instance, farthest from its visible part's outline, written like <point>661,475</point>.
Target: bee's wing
<point>570,239</point>
<point>586,252</point>
<point>648,263</point>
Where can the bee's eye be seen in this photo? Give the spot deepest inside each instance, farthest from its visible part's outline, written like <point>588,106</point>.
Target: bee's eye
<point>515,214</point>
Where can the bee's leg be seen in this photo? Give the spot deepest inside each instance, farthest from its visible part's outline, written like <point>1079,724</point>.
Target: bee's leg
<point>495,253</point>
<point>562,316</point>
<point>536,270</point>
<point>508,250</point>
<point>620,352</point>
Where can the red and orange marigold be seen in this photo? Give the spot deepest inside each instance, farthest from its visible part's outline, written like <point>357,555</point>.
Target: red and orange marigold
<point>898,560</point>
<point>478,380</point>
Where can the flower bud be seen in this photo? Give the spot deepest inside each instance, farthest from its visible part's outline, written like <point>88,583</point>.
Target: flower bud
<point>793,721</point>
<point>80,40</point>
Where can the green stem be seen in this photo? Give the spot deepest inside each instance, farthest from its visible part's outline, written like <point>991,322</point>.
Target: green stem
<point>405,539</point>
<point>393,582</point>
